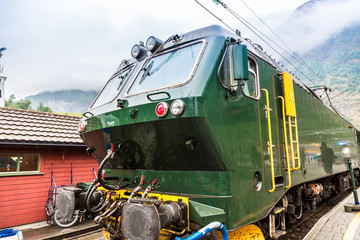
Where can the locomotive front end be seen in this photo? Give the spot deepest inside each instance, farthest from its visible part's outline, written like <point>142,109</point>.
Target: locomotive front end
<point>149,127</point>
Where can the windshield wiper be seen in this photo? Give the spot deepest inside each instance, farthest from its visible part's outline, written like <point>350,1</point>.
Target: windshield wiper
<point>171,55</point>
<point>146,72</point>
<point>148,68</point>
<point>123,77</point>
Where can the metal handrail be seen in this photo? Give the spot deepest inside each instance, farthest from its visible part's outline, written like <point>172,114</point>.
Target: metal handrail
<point>285,139</point>
<point>270,141</point>
<point>292,144</point>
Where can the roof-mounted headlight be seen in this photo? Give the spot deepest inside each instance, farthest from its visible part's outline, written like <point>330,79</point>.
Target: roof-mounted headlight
<point>138,51</point>
<point>153,43</point>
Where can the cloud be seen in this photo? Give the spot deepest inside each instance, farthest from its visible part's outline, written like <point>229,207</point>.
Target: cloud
<point>66,44</point>
<point>313,24</point>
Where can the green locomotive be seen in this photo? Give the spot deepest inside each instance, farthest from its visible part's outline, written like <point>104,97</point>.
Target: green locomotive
<point>226,133</point>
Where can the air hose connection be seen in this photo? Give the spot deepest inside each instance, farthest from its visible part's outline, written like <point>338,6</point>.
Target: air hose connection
<point>208,228</point>
<point>138,188</point>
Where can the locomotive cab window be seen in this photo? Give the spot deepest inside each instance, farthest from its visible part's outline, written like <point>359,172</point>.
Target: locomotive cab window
<point>113,87</point>
<point>169,69</point>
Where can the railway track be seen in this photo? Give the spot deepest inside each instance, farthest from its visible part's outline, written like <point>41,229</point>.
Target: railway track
<point>92,235</point>
<point>299,229</point>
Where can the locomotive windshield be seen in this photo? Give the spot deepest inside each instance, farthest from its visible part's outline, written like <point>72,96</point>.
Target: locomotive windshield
<point>170,69</point>
<point>112,87</point>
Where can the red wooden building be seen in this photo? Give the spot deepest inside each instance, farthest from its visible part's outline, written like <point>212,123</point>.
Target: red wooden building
<point>29,142</point>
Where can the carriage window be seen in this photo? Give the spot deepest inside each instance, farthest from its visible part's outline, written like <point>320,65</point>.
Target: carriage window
<point>251,87</point>
<point>112,88</point>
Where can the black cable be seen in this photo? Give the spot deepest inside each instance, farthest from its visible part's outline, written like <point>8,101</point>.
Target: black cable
<point>277,36</point>
<point>215,16</point>
<point>89,193</point>
<point>339,94</point>
<point>102,182</point>
<point>243,21</point>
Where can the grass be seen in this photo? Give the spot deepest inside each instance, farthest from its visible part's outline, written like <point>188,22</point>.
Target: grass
<point>70,114</point>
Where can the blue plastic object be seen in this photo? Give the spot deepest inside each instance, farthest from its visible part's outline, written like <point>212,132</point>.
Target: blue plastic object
<point>208,228</point>
<point>7,233</point>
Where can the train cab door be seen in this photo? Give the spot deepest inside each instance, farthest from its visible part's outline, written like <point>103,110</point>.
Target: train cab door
<point>261,86</point>
<point>271,135</point>
<point>279,139</point>
<point>279,130</point>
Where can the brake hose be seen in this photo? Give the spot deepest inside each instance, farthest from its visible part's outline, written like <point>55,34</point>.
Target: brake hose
<point>101,205</point>
<point>99,180</point>
<point>103,183</point>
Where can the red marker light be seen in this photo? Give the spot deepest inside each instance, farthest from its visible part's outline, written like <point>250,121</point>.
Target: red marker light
<point>82,126</point>
<point>161,109</point>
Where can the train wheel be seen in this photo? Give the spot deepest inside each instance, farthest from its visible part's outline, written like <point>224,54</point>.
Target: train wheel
<point>251,231</point>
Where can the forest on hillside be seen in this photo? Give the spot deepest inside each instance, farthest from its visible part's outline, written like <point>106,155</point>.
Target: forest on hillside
<point>336,64</point>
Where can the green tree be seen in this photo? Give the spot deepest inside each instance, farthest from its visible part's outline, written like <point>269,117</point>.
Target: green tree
<point>42,108</point>
<point>10,102</point>
<point>24,104</point>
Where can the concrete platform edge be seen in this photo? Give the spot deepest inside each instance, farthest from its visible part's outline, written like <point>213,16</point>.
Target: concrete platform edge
<point>322,221</point>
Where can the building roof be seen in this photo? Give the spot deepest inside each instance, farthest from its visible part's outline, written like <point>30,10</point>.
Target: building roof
<point>19,126</point>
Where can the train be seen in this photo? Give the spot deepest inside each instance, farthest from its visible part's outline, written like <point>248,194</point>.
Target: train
<point>205,136</point>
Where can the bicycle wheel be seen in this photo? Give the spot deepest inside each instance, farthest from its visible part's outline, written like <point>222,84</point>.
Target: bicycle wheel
<point>49,207</point>
<point>64,222</point>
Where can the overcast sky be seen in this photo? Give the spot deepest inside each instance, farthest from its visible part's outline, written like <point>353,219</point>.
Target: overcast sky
<point>77,44</point>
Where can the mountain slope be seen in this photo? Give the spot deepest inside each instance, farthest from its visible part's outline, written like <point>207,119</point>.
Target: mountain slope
<point>65,100</point>
<point>328,38</point>
<point>337,63</point>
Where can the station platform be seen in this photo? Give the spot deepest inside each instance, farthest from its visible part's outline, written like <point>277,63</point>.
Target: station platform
<point>337,224</point>
<point>43,231</point>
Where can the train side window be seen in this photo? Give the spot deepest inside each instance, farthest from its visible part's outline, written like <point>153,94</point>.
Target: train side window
<point>251,88</point>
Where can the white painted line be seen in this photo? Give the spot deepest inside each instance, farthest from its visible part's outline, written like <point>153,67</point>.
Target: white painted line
<point>350,231</point>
